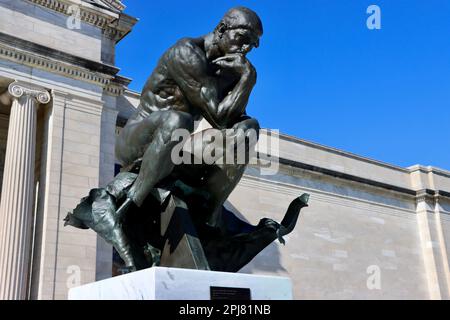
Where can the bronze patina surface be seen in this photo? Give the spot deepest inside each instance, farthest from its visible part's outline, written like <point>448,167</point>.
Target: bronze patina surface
<point>158,213</point>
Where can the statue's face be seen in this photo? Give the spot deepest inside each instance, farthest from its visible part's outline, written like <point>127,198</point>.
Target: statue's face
<point>238,40</point>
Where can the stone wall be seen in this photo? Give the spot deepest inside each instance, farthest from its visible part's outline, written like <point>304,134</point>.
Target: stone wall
<point>357,224</point>
<point>337,239</point>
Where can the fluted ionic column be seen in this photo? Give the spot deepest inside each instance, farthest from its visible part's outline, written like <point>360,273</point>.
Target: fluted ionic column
<point>16,204</point>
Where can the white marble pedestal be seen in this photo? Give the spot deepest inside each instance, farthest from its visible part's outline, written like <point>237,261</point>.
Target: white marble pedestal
<point>181,284</point>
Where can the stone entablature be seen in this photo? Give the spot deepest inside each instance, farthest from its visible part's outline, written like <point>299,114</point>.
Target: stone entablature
<point>112,4</point>
<point>348,166</point>
<point>114,23</point>
<point>118,86</point>
<point>31,59</point>
<point>51,24</point>
<point>33,55</point>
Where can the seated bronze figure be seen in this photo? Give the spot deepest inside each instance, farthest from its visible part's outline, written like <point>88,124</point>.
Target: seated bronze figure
<point>156,212</point>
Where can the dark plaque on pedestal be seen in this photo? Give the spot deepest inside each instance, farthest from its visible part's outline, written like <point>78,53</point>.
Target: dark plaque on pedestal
<point>224,293</point>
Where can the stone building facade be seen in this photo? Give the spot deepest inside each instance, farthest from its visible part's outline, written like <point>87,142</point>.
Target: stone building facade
<point>372,231</point>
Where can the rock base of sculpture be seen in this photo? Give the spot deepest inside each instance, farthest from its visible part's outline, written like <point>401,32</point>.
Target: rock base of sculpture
<point>160,283</point>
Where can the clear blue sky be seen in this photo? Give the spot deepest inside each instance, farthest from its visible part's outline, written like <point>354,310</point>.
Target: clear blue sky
<point>322,75</point>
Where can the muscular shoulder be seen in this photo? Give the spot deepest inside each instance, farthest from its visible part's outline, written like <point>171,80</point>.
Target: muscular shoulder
<point>186,53</point>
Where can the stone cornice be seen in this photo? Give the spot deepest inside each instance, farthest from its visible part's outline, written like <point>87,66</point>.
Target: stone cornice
<point>116,4</point>
<point>115,89</point>
<point>113,4</point>
<point>420,195</point>
<point>430,169</point>
<point>341,152</point>
<point>87,15</point>
<point>426,195</point>
<point>53,66</point>
<point>55,61</point>
<point>345,176</point>
<point>115,25</point>
<point>117,86</point>
<point>118,29</point>
<point>40,50</point>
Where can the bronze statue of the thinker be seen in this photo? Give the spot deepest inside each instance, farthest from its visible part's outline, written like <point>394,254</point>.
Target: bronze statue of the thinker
<point>156,212</point>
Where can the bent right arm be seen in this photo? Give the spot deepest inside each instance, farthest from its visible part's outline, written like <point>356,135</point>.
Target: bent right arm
<point>188,66</point>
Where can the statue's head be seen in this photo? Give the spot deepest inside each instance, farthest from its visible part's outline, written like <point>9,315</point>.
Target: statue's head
<point>238,31</point>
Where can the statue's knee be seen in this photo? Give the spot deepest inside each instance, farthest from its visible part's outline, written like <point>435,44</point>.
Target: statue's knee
<point>248,124</point>
<point>253,124</point>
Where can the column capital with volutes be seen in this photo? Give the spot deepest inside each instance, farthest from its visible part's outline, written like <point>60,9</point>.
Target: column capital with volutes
<point>19,89</point>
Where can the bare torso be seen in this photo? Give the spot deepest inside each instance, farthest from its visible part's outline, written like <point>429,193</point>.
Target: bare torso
<point>161,92</point>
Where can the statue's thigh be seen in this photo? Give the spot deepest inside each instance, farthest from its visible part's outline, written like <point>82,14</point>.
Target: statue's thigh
<point>135,137</point>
